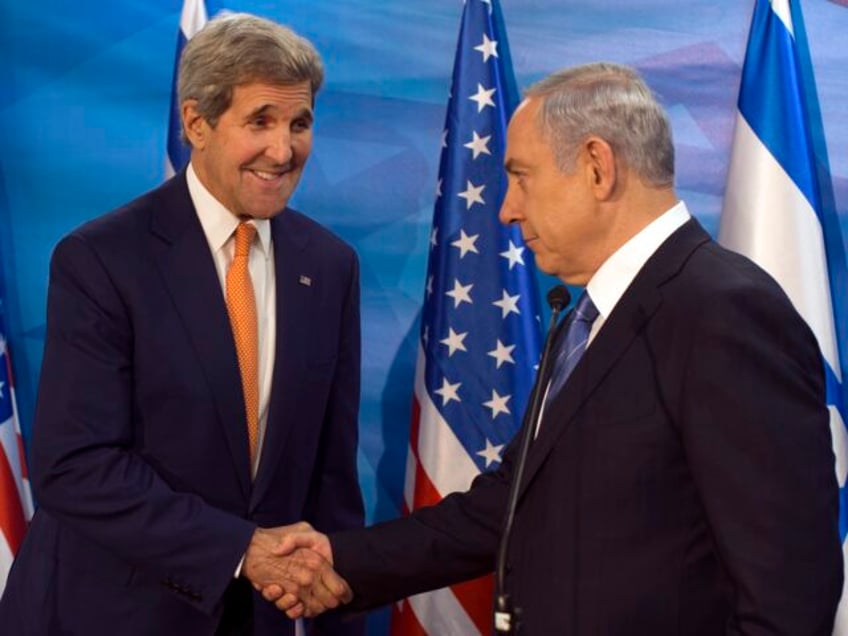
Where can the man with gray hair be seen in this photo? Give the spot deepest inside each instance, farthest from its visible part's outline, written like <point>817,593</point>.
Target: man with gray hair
<point>200,384</point>
<point>680,480</point>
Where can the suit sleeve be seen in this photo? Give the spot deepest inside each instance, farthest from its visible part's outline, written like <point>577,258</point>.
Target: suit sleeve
<point>452,541</point>
<point>756,434</point>
<point>85,471</point>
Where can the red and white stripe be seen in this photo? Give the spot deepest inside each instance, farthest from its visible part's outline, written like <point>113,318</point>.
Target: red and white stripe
<point>437,465</point>
<point>15,496</point>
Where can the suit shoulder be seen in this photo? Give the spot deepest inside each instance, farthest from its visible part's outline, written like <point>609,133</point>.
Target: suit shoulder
<point>124,222</point>
<point>718,284</point>
<point>717,270</point>
<point>307,229</point>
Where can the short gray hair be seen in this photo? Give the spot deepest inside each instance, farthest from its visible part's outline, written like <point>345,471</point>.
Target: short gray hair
<point>614,103</point>
<point>237,49</point>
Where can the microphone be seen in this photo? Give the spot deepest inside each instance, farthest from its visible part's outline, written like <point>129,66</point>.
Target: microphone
<point>558,298</point>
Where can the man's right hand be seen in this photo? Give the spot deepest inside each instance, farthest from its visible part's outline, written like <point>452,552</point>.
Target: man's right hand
<point>292,567</point>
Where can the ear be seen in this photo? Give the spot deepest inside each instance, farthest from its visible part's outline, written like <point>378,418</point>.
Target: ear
<point>194,124</point>
<point>601,168</point>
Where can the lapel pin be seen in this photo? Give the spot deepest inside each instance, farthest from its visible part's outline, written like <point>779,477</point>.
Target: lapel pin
<point>305,280</point>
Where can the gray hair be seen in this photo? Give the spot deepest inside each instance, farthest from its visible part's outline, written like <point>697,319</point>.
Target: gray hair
<point>237,49</point>
<point>612,102</point>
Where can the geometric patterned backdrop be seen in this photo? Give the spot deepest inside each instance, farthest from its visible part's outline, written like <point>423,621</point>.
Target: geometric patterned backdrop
<point>84,97</point>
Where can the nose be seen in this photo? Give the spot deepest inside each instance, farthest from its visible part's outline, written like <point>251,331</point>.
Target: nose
<point>279,147</point>
<point>509,212</point>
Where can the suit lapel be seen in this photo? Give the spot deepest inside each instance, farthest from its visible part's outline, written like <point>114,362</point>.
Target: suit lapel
<point>295,305</point>
<point>182,255</point>
<point>633,310</point>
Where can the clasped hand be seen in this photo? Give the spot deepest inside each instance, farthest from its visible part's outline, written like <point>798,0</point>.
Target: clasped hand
<point>292,567</point>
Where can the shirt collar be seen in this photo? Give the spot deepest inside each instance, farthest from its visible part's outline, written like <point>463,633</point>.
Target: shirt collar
<point>613,278</point>
<point>217,221</point>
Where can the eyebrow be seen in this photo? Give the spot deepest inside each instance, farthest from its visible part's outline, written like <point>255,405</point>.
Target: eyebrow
<point>514,165</point>
<point>258,111</point>
<point>308,113</point>
<point>261,110</point>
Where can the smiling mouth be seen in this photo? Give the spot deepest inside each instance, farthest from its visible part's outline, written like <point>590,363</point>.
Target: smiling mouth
<point>270,175</point>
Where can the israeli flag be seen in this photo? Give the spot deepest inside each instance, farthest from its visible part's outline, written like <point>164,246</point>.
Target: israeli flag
<point>779,208</point>
<point>192,19</point>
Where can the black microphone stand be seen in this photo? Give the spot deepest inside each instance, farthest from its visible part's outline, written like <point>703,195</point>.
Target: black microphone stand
<point>506,616</point>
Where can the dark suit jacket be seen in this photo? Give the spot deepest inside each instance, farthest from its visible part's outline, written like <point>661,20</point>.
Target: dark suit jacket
<point>140,453</point>
<point>682,482</point>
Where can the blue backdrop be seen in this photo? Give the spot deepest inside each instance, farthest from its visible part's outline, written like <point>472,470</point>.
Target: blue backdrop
<point>84,95</point>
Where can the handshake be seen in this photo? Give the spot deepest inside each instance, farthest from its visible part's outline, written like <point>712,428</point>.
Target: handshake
<point>292,567</point>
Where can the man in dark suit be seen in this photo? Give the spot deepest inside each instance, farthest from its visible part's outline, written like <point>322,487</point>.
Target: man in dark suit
<point>681,481</point>
<point>200,384</point>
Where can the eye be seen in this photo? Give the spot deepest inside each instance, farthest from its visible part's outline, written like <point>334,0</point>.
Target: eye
<point>259,121</point>
<point>301,124</point>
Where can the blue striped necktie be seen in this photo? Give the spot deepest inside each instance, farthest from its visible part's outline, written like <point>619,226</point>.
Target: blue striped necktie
<point>573,344</point>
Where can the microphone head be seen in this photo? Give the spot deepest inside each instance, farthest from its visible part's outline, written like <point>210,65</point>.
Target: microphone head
<point>558,297</point>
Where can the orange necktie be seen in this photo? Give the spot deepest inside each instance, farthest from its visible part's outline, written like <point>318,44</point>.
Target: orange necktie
<point>241,305</point>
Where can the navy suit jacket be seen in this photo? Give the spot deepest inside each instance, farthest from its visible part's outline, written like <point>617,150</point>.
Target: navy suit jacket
<point>140,459</point>
<point>682,482</point>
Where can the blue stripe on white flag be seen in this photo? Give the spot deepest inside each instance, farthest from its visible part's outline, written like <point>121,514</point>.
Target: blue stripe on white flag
<point>775,104</point>
<point>178,152</point>
<point>837,268</point>
<point>192,19</point>
<point>771,69</point>
<point>779,206</point>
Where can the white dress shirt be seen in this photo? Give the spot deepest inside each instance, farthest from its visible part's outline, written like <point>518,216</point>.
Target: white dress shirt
<point>608,284</point>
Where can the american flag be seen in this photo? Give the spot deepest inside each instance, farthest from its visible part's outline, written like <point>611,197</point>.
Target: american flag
<point>779,207</point>
<point>192,19</point>
<point>15,497</point>
<point>480,331</point>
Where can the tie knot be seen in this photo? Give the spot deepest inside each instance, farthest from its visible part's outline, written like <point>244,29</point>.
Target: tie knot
<point>585,311</point>
<point>244,237</point>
